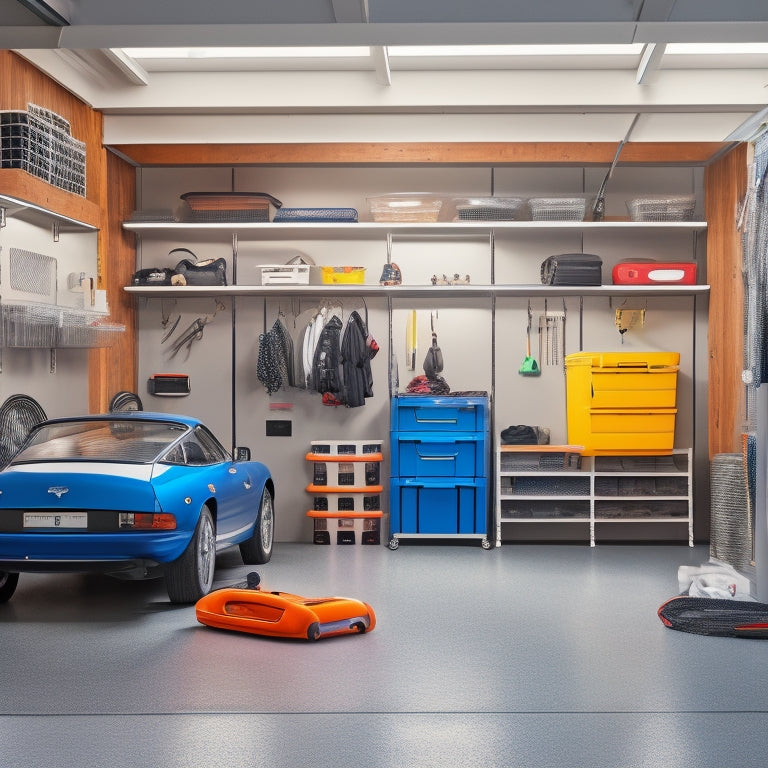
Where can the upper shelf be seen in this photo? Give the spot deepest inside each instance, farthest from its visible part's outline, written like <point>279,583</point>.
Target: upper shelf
<point>415,291</point>
<point>35,200</point>
<point>374,230</point>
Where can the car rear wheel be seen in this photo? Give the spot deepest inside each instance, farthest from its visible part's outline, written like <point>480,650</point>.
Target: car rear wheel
<point>258,549</point>
<point>190,577</point>
<point>8,582</point>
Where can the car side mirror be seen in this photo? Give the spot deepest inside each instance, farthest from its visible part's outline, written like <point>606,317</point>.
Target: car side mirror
<point>242,454</point>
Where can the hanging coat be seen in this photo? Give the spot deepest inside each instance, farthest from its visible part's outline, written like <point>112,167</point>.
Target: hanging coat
<point>356,362</point>
<point>326,364</point>
<point>271,364</point>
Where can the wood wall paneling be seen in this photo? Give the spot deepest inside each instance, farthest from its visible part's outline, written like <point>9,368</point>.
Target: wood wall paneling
<point>21,84</point>
<point>114,369</point>
<point>110,194</point>
<point>725,183</point>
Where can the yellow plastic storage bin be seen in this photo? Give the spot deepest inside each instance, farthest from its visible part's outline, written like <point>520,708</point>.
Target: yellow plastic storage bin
<point>630,431</point>
<point>622,402</point>
<point>343,274</point>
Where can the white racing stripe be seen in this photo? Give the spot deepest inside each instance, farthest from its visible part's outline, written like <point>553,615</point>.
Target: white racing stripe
<point>133,471</point>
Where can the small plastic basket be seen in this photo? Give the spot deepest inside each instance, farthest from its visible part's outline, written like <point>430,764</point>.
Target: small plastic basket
<point>413,207</point>
<point>490,208</point>
<point>338,275</point>
<point>662,208</point>
<point>558,208</point>
<point>337,215</point>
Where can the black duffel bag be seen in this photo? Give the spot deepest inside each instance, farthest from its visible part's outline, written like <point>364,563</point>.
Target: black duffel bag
<point>153,276</point>
<point>208,272</point>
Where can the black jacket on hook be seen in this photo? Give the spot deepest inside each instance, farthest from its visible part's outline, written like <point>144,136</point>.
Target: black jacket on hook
<point>356,362</point>
<point>326,364</point>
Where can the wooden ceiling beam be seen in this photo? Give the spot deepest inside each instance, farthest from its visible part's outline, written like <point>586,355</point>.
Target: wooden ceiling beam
<point>427,153</point>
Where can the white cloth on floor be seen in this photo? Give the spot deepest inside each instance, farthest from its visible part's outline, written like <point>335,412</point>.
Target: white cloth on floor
<point>714,579</point>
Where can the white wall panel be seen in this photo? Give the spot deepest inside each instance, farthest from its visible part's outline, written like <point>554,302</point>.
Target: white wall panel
<point>58,382</point>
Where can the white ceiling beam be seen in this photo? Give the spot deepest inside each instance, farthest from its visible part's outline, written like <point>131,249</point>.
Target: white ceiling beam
<point>380,58</point>
<point>750,128</point>
<point>128,66</point>
<point>560,126</point>
<point>496,91</point>
<point>650,60</point>
<point>489,91</point>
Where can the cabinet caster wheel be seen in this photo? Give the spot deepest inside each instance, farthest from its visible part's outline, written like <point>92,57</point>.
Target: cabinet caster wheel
<point>394,544</point>
<point>485,544</point>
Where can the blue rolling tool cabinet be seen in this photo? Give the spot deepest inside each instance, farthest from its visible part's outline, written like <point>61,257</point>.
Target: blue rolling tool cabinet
<point>440,452</point>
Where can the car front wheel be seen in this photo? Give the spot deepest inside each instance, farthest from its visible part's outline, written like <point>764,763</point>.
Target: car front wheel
<point>258,549</point>
<point>8,582</point>
<point>190,577</point>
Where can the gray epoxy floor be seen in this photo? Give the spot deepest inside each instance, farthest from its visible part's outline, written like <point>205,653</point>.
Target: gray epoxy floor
<point>528,655</point>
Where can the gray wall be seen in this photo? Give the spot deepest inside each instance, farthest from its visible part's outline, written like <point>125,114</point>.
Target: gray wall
<point>222,366</point>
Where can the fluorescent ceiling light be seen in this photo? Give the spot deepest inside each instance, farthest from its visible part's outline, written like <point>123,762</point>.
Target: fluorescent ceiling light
<point>716,49</point>
<point>246,53</point>
<point>514,50</point>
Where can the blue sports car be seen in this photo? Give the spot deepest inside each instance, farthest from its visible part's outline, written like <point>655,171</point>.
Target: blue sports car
<point>134,495</point>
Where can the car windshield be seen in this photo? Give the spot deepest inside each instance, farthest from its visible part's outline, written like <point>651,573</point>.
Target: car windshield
<point>121,440</point>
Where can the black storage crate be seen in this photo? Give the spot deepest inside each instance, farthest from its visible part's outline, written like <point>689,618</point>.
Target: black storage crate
<point>39,142</point>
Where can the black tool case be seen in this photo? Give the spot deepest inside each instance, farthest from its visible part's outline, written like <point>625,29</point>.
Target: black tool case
<point>572,269</point>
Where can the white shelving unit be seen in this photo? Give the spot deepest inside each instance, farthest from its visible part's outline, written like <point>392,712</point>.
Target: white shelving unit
<point>270,231</point>
<point>503,258</point>
<point>547,484</point>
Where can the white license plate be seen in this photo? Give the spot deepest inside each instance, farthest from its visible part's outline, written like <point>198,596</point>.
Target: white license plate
<point>55,520</point>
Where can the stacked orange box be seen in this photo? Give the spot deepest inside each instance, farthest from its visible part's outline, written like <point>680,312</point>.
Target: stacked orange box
<point>346,486</point>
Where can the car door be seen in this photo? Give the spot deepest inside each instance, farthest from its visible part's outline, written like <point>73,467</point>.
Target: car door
<point>231,484</point>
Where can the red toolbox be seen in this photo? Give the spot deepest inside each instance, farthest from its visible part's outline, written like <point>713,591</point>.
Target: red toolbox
<point>654,273</point>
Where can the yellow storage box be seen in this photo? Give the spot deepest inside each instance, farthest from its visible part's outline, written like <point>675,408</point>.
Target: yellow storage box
<point>634,431</point>
<point>622,402</point>
<point>343,274</point>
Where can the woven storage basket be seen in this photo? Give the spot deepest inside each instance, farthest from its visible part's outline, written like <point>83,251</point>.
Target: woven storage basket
<point>558,208</point>
<point>670,208</point>
<point>490,208</point>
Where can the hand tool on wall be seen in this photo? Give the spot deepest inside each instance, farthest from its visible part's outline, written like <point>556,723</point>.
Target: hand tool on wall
<point>193,333</point>
<point>411,340</point>
<point>598,209</point>
<point>530,366</point>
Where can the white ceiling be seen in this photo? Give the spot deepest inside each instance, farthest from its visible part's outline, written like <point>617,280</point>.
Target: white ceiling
<point>380,96</point>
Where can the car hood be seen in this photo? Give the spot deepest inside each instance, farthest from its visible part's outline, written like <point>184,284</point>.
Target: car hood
<point>81,485</point>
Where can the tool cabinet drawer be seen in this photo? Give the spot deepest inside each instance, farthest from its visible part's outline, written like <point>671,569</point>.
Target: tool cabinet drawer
<point>417,413</point>
<point>439,456</point>
<point>433,507</point>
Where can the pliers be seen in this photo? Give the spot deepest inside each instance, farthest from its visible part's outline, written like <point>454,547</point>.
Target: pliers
<point>190,335</point>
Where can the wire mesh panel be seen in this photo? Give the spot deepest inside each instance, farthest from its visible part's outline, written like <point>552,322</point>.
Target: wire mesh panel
<point>29,324</point>
<point>32,274</point>
<point>731,529</point>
